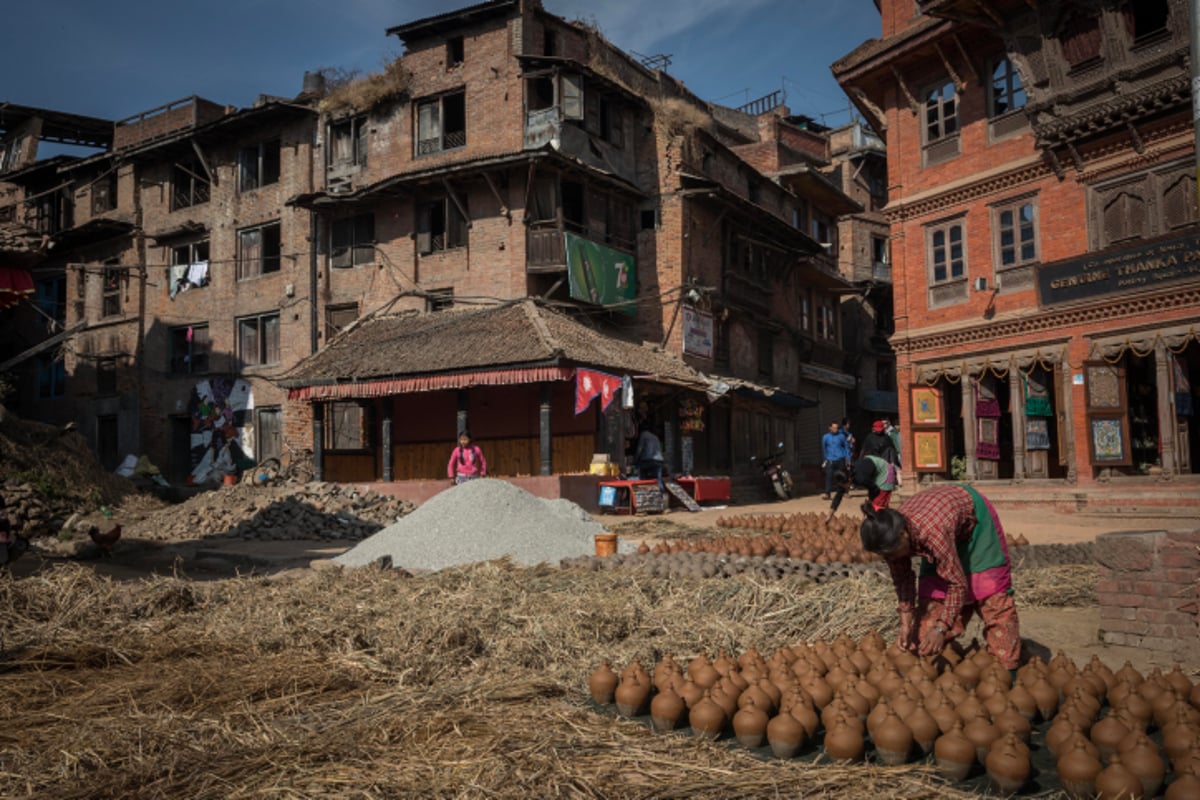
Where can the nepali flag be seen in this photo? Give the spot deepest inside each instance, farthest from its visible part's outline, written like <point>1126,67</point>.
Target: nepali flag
<point>589,383</point>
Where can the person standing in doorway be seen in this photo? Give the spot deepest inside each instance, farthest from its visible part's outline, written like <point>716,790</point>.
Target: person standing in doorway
<point>836,452</point>
<point>649,456</point>
<point>466,461</point>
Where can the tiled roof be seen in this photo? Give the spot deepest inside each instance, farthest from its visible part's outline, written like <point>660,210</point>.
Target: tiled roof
<point>511,334</point>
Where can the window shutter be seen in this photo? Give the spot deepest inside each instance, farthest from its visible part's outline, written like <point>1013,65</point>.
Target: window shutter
<point>271,339</point>
<point>360,141</point>
<point>340,243</point>
<point>425,229</point>
<point>571,86</point>
<point>364,239</point>
<point>591,104</point>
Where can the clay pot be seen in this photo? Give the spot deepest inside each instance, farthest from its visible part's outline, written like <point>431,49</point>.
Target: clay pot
<point>786,735</point>
<point>982,734</point>
<point>691,692</point>
<point>602,683</point>
<point>1186,786</point>
<point>750,725</point>
<point>631,696</point>
<point>667,710</point>
<point>665,672</point>
<point>1058,732</point>
<point>893,740</point>
<point>1024,701</point>
<point>954,754</point>
<point>844,742</point>
<point>1144,761</point>
<point>1107,734</point>
<point>1007,764</point>
<point>1046,697</point>
<point>1116,781</point>
<point>1077,771</point>
<point>1010,720</point>
<point>806,716</point>
<point>924,727</point>
<point>707,719</point>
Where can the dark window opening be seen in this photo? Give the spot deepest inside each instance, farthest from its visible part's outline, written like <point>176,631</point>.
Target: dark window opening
<point>1146,18</point>
<point>51,375</point>
<point>1007,92</point>
<point>51,213</point>
<point>190,348</point>
<point>549,42</point>
<point>454,51</point>
<point>189,185</point>
<point>194,256</point>
<point>104,193</point>
<point>352,241</point>
<point>52,298</point>
<point>442,123</point>
<point>439,299</point>
<point>348,142</point>
<point>259,251</point>
<point>941,112</point>
<point>258,340</point>
<point>885,377</point>
<point>540,93</point>
<point>766,353</point>
<point>108,441</point>
<point>573,206</point>
<point>258,165</point>
<point>111,305</point>
<point>649,219</point>
<point>440,226</point>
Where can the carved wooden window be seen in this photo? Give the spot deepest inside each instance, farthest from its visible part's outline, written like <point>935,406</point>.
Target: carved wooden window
<point>946,254</point>
<point>941,112</point>
<point>337,318</point>
<point>1007,92</point>
<point>1124,216</point>
<point>1080,37</point>
<point>1179,202</point>
<point>1015,233</point>
<point>1146,18</point>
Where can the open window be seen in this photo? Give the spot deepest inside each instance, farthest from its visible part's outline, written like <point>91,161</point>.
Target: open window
<point>258,339</point>
<point>441,123</point>
<point>190,349</point>
<point>352,241</point>
<point>111,300</point>
<point>104,193</point>
<point>258,251</point>
<point>441,226</point>
<point>348,142</point>
<point>258,165</point>
<point>190,185</point>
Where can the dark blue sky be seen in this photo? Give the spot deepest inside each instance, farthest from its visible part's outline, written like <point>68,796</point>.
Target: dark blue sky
<point>118,58</point>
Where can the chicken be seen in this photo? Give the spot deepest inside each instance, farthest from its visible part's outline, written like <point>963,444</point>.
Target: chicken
<point>105,541</point>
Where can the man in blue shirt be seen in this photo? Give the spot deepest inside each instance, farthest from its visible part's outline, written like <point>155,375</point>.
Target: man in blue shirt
<point>836,452</point>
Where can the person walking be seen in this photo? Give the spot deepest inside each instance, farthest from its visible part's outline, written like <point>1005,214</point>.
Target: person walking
<point>466,461</point>
<point>965,569</point>
<point>835,451</point>
<point>649,456</point>
<point>878,443</point>
<point>874,474</point>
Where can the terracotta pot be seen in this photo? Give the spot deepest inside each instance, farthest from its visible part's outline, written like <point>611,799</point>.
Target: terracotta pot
<point>707,719</point>
<point>750,725</point>
<point>982,734</point>
<point>1144,761</point>
<point>786,735</point>
<point>844,742</point>
<point>1077,771</point>
<point>893,740</point>
<point>954,754</point>
<point>1107,734</point>
<point>631,696</point>
<point>606,544</point>
<point>1116,781</point>
<point>1007,764</point>
<point>924,728</point>
<point>602,683</point>
<point>1186,786</point>
<point>666,710</point>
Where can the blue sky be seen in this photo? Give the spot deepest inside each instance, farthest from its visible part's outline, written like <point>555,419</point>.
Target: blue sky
<point>118,58</point>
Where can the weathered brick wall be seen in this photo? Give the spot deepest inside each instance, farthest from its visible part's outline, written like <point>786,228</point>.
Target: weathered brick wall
<point>1149,590</point>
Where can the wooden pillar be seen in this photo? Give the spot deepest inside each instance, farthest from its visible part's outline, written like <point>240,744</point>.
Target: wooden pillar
<point>1166,407</point>
<point>1016,401</point>
<point>385,434</point>
<point>544,433</point>
<point>462,421</point>
<point>970,426</point>
<point>318,441</point>
<point>1066,428</point>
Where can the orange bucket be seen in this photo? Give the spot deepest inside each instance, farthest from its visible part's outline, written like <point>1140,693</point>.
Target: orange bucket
<point>230,480</point>
<point>606,544</point>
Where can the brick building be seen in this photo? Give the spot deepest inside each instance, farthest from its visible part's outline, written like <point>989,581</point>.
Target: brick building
<point>1042,201</point>
<point>507,154</point>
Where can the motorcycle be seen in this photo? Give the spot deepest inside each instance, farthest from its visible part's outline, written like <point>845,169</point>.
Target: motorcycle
<point>773,469</point>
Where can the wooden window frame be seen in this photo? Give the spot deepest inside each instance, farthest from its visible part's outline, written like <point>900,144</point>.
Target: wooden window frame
<point>353,130</point>
<point>931,260</point>
<point>946,124</point>
<point>190,185</point>
<point>104,193</point>
<point>434,238</point>
<point>352,241</point>
<point>1006,88</point>
<point>430,126</point>
<point>1018,227</point>
<point>110,298</point>
<point>269,259</point>
<point>439,299</point>
<point>190,356</point>
<point>259,165</point>
<point>268,438</point>
<point>334,316</point>
<point>262,345</point>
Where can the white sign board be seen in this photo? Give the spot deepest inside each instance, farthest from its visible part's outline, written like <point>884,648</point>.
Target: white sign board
<point>697,333</point>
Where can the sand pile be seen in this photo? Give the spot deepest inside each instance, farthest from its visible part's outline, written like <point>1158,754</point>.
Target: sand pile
<point>479,521</point>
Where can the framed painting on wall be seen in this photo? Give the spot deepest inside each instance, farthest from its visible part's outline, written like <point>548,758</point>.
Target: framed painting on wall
<point>1109,441</point>
<point>929,448</point>
<point>926,405</point>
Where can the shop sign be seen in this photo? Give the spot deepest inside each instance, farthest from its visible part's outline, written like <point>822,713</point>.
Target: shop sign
<point>697,333</point>
<point>600,275</point>
<point>1149,266</point>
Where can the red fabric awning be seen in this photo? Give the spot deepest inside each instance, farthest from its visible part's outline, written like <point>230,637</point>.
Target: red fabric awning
<point>15,285</point>
<point>432,383</point>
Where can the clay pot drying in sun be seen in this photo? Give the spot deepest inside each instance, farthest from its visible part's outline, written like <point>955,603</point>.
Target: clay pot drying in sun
<point>631,695</point>
<point>786,735</point>
<point>602,683</point>
<point>1024,701</point>
<point>1108,733</point>
<point>1007,764</point>
<point>1010,720</point>
<point>667,710</point>
<point>982,734</point>
<point>1186,786</point>
<point>893,740</point>
<point>750,725</point>
<point>1180,736</point>
<point>665,671</point>
<point>844,741</point>
<point>1116,781</point>
<point>924,728</point>
<point>1077,771</point>
<point>1143,760</point>
<point>1045,696</point>
<point>954,754</point>
<point>707,719</point>
<point>1058,732</point>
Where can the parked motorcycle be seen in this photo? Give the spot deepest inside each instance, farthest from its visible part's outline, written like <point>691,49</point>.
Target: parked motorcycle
<point>772,467</point>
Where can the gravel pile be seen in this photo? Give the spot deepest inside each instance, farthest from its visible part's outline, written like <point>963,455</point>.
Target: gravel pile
<point>480,520</point>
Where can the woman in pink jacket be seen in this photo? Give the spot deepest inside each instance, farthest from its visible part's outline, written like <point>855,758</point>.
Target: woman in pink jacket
<point>466,461</point>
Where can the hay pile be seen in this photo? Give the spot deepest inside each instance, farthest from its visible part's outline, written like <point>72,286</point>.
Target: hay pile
<point>361,683</point>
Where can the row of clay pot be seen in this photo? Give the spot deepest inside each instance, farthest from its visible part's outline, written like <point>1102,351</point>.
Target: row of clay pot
<point>962,707</point>
<point>712,565</point>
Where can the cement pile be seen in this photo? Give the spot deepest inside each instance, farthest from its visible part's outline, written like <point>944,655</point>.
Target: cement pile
<point>481,520</point>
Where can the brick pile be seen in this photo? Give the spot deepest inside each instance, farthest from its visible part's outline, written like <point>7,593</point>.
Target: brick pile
<point>1149,590</point>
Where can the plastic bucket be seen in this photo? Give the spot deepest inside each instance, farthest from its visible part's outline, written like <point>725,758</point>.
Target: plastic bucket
<point>230,480</point>
<point>606,544</point>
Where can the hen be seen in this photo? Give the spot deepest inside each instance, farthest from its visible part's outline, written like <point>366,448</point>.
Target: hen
<point>105,541</point>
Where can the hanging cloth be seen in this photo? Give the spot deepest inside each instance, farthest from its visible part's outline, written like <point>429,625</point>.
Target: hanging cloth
<point>986,404</point>
<point>1037,396</point>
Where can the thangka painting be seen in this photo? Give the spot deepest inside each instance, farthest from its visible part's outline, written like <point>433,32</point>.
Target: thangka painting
<point>926,405</point>
<point>1037,433</point>
<point>1110,441</point>
<point>930,451</point>
<point>987,445</point>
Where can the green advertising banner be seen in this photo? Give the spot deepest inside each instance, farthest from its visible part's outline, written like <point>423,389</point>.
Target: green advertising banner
<point>599,274</point>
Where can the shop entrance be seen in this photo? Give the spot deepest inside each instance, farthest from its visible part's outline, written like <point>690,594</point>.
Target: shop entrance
<point>1145,443</point>
<point>1185,379</point>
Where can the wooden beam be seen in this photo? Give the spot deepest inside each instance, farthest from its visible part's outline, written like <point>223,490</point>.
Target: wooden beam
<point>966,58</point>
<point>212,178</point>
<point>912,101</point>
<point>861,96</point>
<point>529,186</point>
<point>496,193</point>
<point>453,195</point>
<point>954,76</point>
<point>1138,144</point>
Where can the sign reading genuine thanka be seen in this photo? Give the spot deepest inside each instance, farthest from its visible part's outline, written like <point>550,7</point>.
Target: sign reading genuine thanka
<point>1149,266</point>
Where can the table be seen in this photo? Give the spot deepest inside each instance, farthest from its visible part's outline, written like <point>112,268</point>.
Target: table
<point>625,497</point>
<point>705,488</point>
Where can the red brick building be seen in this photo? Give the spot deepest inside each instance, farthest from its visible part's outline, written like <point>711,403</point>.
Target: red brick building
<point>1044,239</point>
<point>211,250</point>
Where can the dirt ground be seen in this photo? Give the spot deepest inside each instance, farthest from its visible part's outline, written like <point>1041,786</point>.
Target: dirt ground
<point>1075,631</point>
